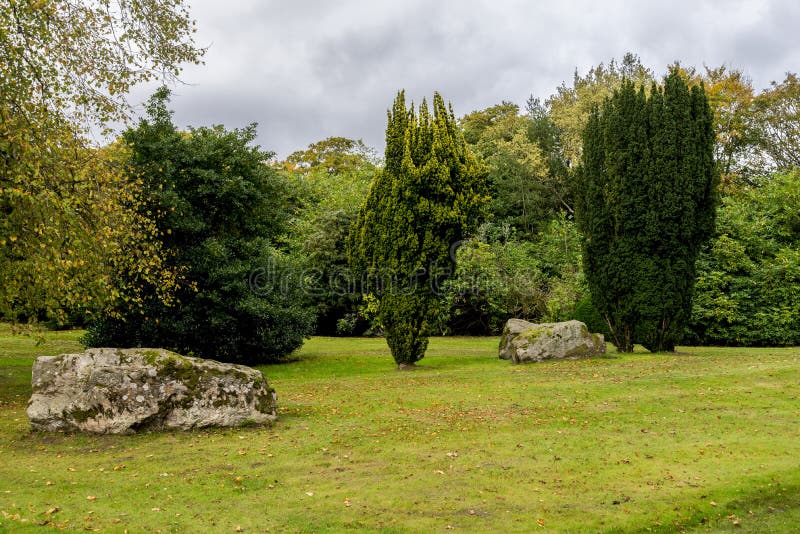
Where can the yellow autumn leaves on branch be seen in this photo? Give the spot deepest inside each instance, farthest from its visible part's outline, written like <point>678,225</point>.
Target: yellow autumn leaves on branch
<point>70,221</point>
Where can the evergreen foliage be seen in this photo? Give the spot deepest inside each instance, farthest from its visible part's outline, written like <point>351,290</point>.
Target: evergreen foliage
<point>429,196</point>
<point>219,209</point>
<point>645,206</point>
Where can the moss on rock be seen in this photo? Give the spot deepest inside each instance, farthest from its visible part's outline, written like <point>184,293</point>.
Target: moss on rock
<point>532,334</point>
<point>127,390</point>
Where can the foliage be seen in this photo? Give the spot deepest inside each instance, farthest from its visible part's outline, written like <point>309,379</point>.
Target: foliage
<point>571,106</point>
<point>333,182</point>
<point>219,209</point>
<point>544,133</point>
<point>70,226</point>
<point>586,312</point>
<point>748,288</point>
<point>70,219</point>
<point>502,277</point>
<point>80,58</point>
<point>334,155</point>
<point>429,196</point>
<point>492,282</point>
<point>730,96</point>
<point>756,135</point>
<point>522,190</point>
<point>646,206</point>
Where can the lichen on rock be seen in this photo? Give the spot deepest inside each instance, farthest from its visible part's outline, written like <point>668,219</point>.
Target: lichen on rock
<point>523,341</point>
<point>126,390</point>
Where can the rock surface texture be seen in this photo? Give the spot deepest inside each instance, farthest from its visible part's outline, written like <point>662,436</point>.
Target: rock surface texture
<point>524,342</point>
<point>117,391</point>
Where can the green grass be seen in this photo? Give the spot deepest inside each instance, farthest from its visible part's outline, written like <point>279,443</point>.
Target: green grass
<point>705,440</point>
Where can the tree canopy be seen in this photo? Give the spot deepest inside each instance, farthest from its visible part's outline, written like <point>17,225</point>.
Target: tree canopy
<point>220,211</point>
<point>79,59</point>
<point>776,127</point>
<point>69,213</point>
<point>571,105</point>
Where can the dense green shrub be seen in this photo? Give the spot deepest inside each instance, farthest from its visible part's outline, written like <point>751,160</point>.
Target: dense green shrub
<point>499,276</point>
<point>219,209</point>
<point>586,312</point>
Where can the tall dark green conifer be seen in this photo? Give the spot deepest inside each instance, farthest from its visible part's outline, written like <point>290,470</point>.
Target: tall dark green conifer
<point>430,194</point>
<point>645,206</point>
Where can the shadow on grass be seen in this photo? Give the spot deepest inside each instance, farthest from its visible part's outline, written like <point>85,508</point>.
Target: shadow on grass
<point>757,511</point>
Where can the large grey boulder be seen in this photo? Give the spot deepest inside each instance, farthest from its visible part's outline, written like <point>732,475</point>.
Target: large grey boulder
<point>523,342</point>
<point>117,391</point>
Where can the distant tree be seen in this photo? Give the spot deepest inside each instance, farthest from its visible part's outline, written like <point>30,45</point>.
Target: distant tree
<point>219,210</point>
<point>544,133</point>
<point>731,99</point>
<point>571,105</point>
<point>646,204</point>
<point>335,155</point>
<point>475,124</point>
<point>776,124</point>
<point>332,178</point>
<point>518,178</point>
<point>429,196</point>
<point>730,96</point>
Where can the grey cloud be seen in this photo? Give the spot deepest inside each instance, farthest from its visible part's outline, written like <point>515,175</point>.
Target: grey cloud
<point>307,70</point>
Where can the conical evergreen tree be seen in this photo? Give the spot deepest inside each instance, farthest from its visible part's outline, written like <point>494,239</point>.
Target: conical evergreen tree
<point>430,194</point>
<point>648,196</point>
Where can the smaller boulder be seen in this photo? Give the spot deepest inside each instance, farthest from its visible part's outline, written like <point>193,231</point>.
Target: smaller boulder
<point>119,391</point>
<point>524,342</point>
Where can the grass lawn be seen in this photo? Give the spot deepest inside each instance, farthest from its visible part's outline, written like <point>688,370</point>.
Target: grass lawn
<point>705,440</point>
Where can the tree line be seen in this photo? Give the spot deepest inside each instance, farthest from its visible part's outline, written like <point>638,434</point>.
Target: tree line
<point>201,242</point>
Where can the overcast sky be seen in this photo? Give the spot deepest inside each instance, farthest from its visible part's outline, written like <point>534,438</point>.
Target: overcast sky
<point>305,70</point>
